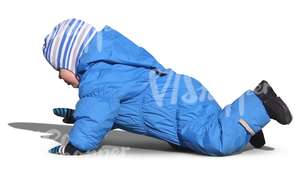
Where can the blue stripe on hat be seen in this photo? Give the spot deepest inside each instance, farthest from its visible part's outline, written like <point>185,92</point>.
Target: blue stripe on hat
<point>62,33</point>
<point>72,42</point>
<point>62,42</point>
<point>65,54</point>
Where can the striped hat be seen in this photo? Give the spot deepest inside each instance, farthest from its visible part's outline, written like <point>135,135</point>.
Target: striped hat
<point>65,44</point>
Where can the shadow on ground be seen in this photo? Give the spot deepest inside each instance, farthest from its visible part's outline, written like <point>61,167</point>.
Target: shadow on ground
<point>131,143</point>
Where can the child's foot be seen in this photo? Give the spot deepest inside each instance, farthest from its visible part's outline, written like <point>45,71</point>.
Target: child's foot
<point>275,106</point>
<point>258,140</point>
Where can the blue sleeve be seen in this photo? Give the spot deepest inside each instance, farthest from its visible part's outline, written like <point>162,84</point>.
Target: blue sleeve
<point>94,119</point>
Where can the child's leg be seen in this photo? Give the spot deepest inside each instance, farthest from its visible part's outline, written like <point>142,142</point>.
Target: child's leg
<point>230,130</point>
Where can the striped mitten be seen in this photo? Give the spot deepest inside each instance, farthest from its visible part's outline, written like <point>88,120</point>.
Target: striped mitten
<point>66,113</point>
<point>67,149</point>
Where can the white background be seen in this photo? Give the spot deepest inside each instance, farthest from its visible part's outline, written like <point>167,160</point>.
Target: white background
<point>228,45</point>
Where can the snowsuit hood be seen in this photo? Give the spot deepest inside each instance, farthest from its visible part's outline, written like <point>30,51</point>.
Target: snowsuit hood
<point>110,46</point>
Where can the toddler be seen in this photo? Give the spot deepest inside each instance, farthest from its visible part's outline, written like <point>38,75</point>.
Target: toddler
<point>123,86</point>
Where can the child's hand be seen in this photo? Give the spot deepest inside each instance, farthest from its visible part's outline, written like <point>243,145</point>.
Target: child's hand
<point>57,150</point>
<point>66,113</point>
<point>67,149</point>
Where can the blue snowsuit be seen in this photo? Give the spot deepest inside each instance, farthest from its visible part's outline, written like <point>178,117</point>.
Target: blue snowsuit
<point>123,86</point>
